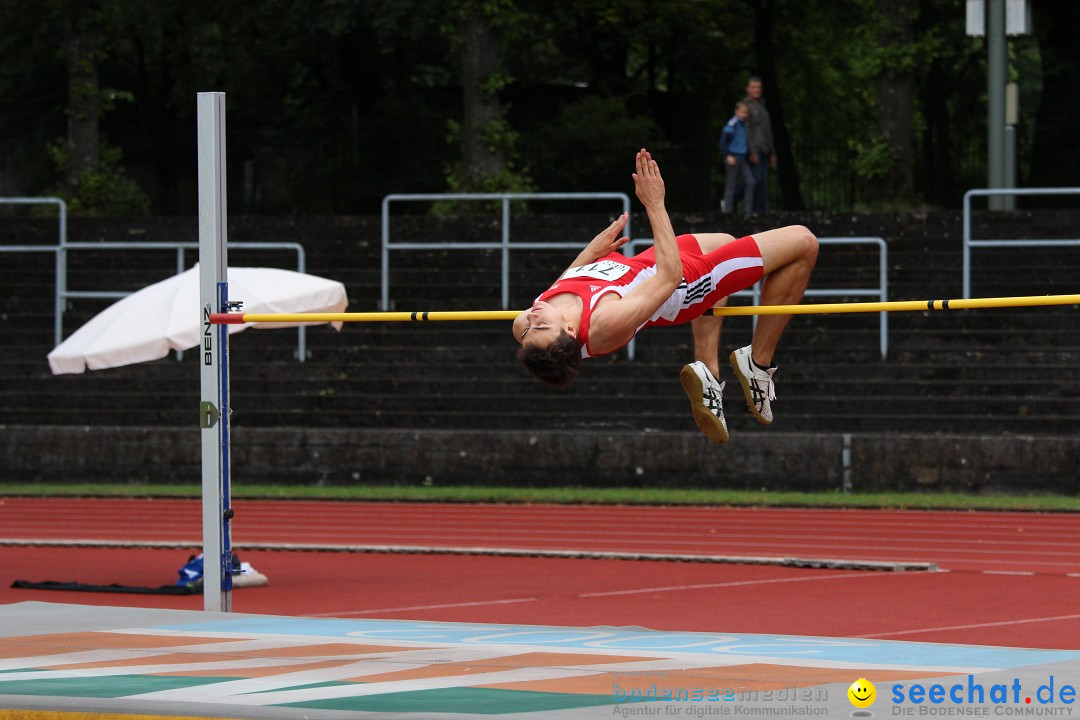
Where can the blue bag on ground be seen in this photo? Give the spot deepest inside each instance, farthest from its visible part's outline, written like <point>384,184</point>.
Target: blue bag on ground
<point>191,575</point>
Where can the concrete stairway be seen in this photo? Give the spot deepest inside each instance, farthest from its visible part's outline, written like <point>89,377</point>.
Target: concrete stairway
<point>992,372</point>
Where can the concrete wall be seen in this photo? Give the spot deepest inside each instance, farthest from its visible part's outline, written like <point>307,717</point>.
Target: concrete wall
<point>758,460</point>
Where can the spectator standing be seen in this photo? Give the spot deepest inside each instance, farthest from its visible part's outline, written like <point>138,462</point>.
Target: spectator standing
<point>761,153</point>
<point>733,148</point>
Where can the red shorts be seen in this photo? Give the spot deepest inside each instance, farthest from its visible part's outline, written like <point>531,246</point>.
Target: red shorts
<point>709,277</point>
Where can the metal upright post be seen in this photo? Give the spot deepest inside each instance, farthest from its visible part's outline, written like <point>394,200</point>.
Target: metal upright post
<point>997,71</point>
<point>214,358</point>
<point>1012,119</point>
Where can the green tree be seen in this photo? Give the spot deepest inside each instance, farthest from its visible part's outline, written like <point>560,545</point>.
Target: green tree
<point>765,53</point>
<point>332,105</point>
<point>82,23</point>
<point>479,29</point>
<point>885,61</point>
<point>1055,157</point>
<point>94,181</point>
<point>32,95</point>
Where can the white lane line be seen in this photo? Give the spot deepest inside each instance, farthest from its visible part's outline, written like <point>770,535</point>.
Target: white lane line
<point>740,583</point>
<point>1001,623</point>
<point>1007,572</point>
<point>638,591</point>
<point>345,613</point>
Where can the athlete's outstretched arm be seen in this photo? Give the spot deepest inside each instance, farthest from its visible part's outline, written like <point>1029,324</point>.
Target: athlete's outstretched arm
<point>615,322</point>
<point>649,185</point>
<point>607,242</point>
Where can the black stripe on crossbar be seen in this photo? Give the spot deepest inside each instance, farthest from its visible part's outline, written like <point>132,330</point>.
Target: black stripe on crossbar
<point>929,304</point>
<point>944,304</point>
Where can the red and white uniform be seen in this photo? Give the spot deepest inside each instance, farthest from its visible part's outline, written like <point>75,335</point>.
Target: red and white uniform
<point>706,280</point>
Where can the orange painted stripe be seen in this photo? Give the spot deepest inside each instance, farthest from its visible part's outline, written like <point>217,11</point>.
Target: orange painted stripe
<point>223,653</point>
<point>497,664</point>
<point>257,672</point>
<point>29,645</point>
<point>87,715</point>
<point>325,649</point>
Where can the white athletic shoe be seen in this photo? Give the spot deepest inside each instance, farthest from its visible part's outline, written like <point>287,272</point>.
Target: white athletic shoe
<point>705,400</point>
<point>757,384</point>
<point>249,577</point>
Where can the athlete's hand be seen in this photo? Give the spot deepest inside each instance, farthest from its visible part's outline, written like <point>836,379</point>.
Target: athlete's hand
<point>647,180</point>
<point>608,241</point>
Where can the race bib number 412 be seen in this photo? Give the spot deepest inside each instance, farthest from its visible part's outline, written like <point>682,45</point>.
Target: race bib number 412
<point>601,270</point>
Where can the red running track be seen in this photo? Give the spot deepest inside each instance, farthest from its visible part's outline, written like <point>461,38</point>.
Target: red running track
<point>969,541</point>
<point>1010,578</point>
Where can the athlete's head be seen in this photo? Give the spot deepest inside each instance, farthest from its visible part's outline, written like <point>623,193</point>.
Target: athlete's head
<point>550,349</point>
<point>556,362</point>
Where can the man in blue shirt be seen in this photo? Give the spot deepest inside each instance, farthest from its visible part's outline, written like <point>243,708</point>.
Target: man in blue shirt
<point>733,147</point>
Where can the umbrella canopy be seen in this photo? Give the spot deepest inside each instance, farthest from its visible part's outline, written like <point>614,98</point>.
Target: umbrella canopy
<point>166,316</point>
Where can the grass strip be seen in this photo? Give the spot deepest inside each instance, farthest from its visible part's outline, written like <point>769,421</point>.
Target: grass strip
<point>571,495</point>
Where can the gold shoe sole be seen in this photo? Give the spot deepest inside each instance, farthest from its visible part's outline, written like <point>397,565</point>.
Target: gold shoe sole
<point>703,417</point>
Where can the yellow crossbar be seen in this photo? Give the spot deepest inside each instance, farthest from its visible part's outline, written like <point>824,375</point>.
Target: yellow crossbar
<point>809,309</point>
<point>901,305</point>
<point>445,315</point>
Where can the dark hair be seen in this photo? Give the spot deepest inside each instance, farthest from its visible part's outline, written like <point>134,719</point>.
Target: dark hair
<point>557,364</point>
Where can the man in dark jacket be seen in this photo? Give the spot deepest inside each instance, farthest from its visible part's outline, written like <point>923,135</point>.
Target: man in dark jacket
<point>762,154</point>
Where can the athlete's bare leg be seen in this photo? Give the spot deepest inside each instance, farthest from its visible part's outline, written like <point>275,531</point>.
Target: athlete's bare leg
<point>705,391</point>
<point>788,254</point>
<point>706,331</point>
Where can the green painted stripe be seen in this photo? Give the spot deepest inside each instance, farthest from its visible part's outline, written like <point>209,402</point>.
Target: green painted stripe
<point>107,686</point>
<point>476,701</point>
<point>306,686</point>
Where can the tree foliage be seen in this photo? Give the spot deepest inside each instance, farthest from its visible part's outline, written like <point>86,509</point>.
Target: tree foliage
<point>332,105</point>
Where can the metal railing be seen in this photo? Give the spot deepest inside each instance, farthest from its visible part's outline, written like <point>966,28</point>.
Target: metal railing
<point>63,247</point>
<point>881,291</point>
<point>58,256</point>
<point>970,242</point>
<point>504,244</point>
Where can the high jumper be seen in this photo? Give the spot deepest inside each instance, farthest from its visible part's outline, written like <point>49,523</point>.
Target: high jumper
<point>604,299</point>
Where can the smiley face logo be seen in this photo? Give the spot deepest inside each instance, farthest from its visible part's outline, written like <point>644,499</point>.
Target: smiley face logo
<point>862,693</point>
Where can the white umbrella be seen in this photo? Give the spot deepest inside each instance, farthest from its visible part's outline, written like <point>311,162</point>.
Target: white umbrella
<point>166,316</point>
